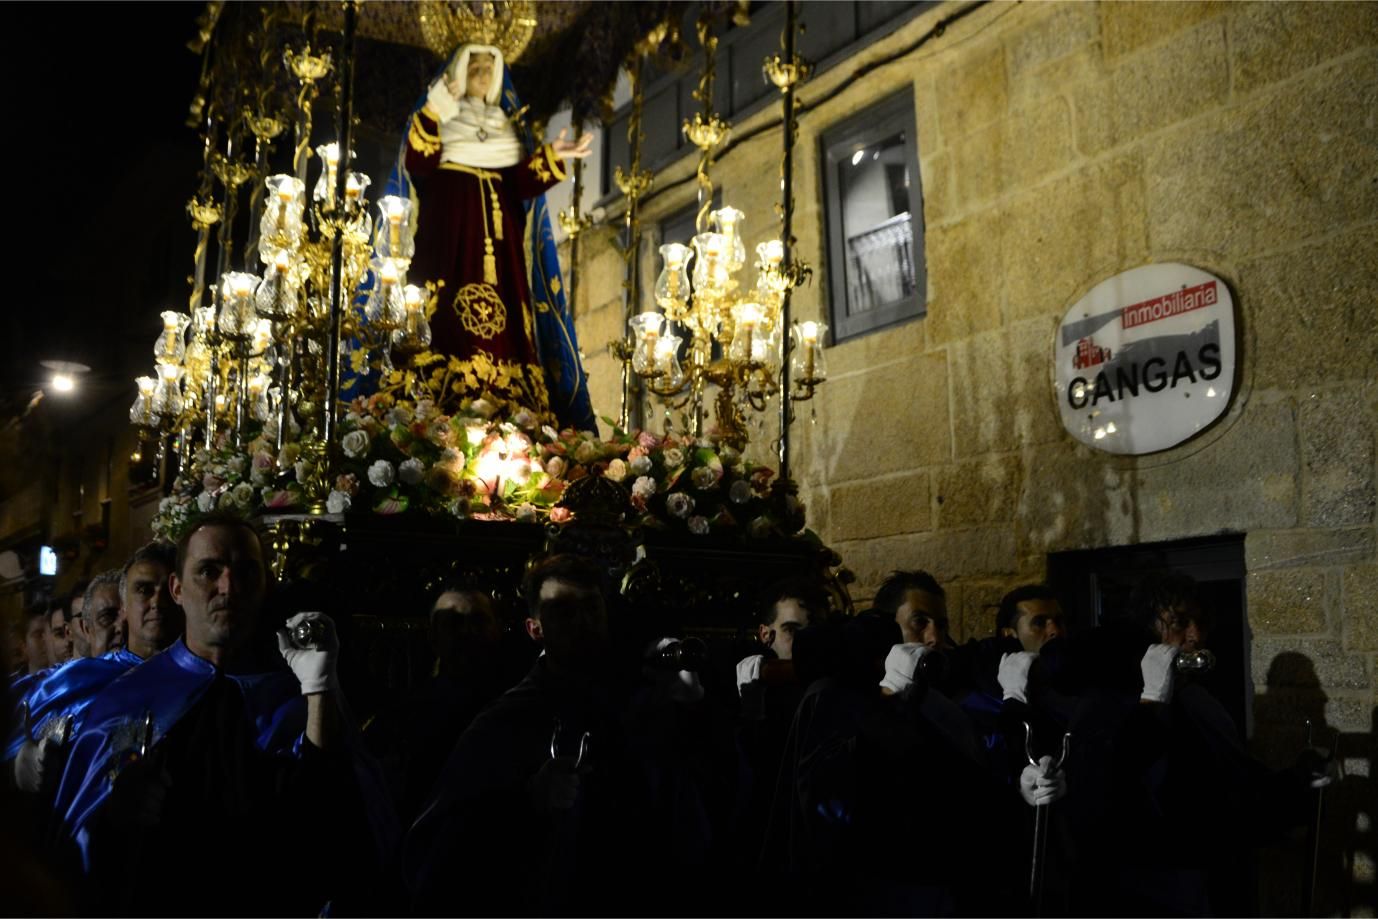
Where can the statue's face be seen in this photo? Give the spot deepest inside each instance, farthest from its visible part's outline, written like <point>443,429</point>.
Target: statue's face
<point>479,78</point>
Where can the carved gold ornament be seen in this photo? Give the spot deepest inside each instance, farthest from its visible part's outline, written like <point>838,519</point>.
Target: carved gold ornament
<point>446,25</point>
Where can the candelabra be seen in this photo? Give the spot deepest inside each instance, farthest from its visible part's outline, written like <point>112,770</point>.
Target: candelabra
<point>702,308</point>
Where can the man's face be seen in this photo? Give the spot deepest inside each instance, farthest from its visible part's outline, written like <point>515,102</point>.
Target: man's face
<point>81,646</point>
<point>152,618</point>
<point>101,620</point>
<point>922,618</point>
<point>790,617</point>
<point>572,624</point>
<point>36,641</point>
<point>1036,622</point>
<point>1182,627</point>
<point>221,587</point>
<point>479,78</point>
<point>463,625</point>
<point>59,637</point>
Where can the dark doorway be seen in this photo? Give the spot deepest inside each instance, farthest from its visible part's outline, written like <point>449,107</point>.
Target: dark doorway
<point>1095,584</point>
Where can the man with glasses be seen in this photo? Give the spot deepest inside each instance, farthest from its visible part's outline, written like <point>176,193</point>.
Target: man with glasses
<point>53,710</point>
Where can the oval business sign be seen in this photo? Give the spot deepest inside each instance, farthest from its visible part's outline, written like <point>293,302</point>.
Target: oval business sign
<point>1146,359</point>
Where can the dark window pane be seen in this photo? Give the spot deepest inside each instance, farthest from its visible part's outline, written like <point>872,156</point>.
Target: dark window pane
<point>828,27</point>
<point>878,12</point>
<point>748,84</point>
<point>660,124</point>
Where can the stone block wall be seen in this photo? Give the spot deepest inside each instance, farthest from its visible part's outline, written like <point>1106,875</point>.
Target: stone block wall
<point>1061,143</point>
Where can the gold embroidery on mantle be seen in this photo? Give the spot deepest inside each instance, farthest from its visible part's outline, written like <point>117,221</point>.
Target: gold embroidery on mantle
<point>508,385</point>
<point>480,310</point>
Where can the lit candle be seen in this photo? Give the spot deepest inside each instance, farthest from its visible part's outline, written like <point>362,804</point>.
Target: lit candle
<point>351,189</point>
<point>808,331</point>
<point>394,206</point>
<point>332,160</point>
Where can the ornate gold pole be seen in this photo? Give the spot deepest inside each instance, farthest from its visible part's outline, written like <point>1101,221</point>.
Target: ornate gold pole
<point>706,131</point>
<point>786,71</point>
<point>337,292</point>
<point>264,127</point>
<point>634,185</point>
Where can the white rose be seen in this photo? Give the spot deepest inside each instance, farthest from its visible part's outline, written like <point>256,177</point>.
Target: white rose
<point>354,444</point>
<point>400,415</point>
<point>641,465</point>
<point>586,452</point>
<point>205,502</point>
<point>740,492</point>
<point>644,487</point>
<point>550,433</point>
<point>288,456</point>
<point>483,408</point>
<point>337,503</point>
<point>556,466</point>
<point>411,471</point>
<point>617,470</point>
<point>674,458</point>
<point>698,525</point>
<point>243,494</point>
<point>728,455</point>
<point>236,465</point>
<point>524,420</point>
<point>381,474</point>
<point>526,513</point>
<point>425,409</point>
<point>449,456</point>
<point>679,504</point>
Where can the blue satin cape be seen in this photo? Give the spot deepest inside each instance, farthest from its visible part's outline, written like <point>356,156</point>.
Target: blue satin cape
<point>164,688</point>
<point>68,691</point>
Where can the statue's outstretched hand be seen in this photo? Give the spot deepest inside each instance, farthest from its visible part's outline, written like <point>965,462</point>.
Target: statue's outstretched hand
<point>566,149</point>
<point>441,100</point>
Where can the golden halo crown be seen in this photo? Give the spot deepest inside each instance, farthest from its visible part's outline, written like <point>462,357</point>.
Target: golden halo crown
<point>446,25</point>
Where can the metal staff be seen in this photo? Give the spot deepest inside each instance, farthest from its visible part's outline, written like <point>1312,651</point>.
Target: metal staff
<point>1040,840</point>
<point>1314,831</point>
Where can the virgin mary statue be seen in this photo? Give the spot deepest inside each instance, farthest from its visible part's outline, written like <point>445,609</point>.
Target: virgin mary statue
<point>478,182</point>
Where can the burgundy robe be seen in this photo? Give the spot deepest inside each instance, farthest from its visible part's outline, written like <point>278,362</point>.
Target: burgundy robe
<point>470,235</point>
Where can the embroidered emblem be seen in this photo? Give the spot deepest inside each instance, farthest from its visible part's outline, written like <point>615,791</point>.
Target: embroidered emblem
<point>538,166</point>
<point>480,310</point>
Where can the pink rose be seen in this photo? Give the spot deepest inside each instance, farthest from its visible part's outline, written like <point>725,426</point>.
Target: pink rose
<point>560,515</point>
<point>211,482</point>
<point>647,440</point>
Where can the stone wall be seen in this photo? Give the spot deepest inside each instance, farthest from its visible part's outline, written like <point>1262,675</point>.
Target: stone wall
<point>1061,143</point>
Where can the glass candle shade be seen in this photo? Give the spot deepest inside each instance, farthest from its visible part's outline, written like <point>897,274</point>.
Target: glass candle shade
<point>396,235</point>
<point>806,361</point>
<point>672,287</point>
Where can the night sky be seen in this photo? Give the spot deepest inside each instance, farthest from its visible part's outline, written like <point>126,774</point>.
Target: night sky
<point>102,165</point>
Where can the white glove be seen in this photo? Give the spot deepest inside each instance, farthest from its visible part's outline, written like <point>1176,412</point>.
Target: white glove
<point>441,101</point>
<point>901,664</point>
<point>36,766</point>
<point>748,670</point>
<point>1157,667</point>
<point>314,665</point>
<point>1014,674</point>
<point>1042,785</point>
<point>679,685</point>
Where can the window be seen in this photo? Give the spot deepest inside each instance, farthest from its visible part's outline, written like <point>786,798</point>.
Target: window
<point>874,216</point>
<point>833,31</point>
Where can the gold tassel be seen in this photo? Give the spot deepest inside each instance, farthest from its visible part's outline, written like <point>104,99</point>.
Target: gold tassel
<point>497,218</point>
<point>490,264</point>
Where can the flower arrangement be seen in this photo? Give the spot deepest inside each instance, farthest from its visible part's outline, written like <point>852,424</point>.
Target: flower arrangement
<point>399,455</point>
